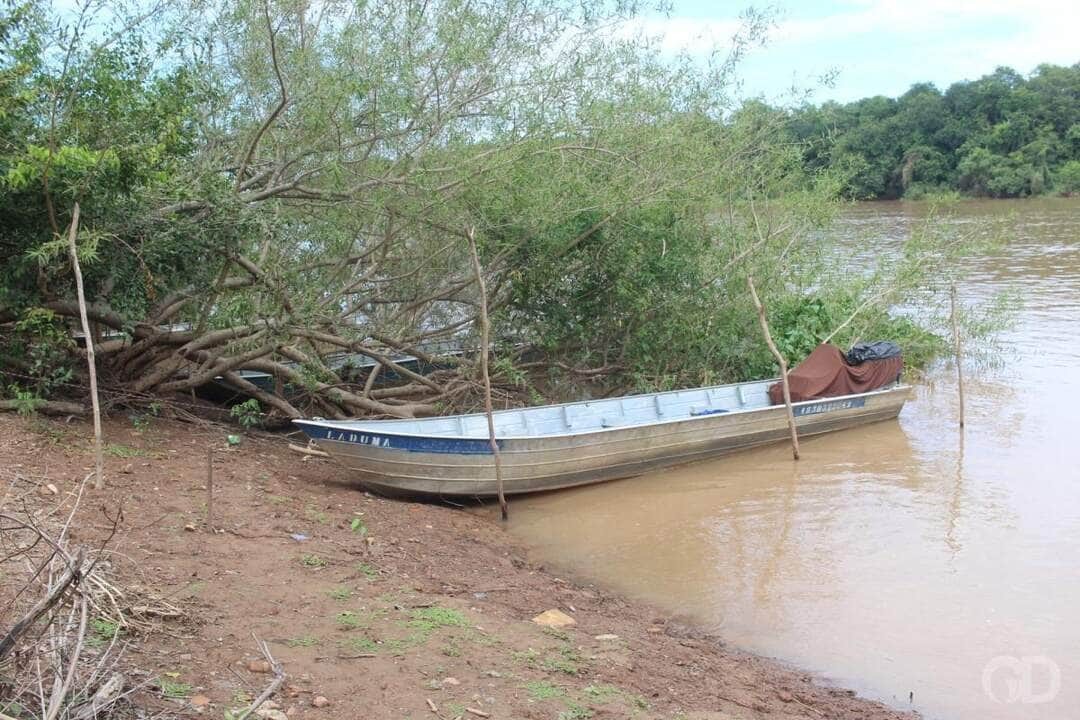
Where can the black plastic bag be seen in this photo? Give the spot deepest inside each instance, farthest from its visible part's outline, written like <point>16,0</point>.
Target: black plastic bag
<point>880,350</point>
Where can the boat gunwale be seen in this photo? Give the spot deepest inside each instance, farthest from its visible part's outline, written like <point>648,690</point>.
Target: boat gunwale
<point>339,424</point>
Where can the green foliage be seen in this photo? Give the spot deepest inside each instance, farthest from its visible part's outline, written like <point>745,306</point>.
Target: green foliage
<point>1002,135</point>
<point>357,526</point>
<point>40,348</point>
<point>618,212</point>
<point>1068,177</point>
<point>26,401</point>
<point>247,413</point>
<point>312,560</point>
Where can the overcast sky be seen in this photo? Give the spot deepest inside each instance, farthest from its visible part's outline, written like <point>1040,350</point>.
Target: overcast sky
<point>881,46</point>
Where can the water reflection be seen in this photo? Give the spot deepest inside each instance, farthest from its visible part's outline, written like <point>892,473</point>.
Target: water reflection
<point>902,557</point>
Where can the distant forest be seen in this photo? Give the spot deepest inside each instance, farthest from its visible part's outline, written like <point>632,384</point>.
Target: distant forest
<point>1002,135</point>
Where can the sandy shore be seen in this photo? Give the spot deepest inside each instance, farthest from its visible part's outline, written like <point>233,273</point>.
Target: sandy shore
<point>384,608</point>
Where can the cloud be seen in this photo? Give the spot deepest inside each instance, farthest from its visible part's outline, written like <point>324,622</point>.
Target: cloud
<point>674,35</point>
<point>885,45</point>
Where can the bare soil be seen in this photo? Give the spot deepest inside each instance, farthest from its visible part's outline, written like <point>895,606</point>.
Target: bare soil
<point>385,608</point>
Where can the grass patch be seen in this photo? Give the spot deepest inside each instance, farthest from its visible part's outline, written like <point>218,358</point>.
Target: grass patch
<point>451,649</point>
<point>529,658</point>
<point>541,690</point>
<point>433,618</point>
<point>340,593</point>
<point>303,641</point>
<point>560,635</point>
<point>556,664</point>
<point>361,645</point>
<point>566,662</point>
<point>316,515</point>
<point>455,709</point>
<point>574,711</point>
<point>123,451</point>
<point>351,620</point>
<point>278,499</point>
<point>357,526</point>
<point>102,631</point>
<point>370,571</point>
<point>173,689</point>
<point>312,560</point>
<point>602,693</point>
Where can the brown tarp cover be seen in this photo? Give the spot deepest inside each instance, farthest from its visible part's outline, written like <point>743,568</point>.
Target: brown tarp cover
<point>826,373</point>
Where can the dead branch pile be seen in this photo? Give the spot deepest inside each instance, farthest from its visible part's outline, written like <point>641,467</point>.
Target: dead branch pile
<point>65,621</point>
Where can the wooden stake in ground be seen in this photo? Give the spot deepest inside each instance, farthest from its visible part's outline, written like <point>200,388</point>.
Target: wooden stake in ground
<point>485,332</point>
<point>99,477</point>
<point>957,350</point>
<point>210,488</point>
<point>783,366</point>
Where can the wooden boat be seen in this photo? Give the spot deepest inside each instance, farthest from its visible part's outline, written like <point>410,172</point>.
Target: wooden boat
<point>558,446</point>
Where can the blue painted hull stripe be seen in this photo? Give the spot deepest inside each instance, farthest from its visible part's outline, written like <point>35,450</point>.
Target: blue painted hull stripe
<point>447,446</point>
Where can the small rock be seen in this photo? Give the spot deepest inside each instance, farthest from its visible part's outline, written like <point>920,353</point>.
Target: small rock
<point>554,618</point>
<point>291,711</point>
<point>127,469</point>
<point>48,489</point>
<point>606,636</point>
<point>493,673</point>
<point>785,696</point>
<point>319,701</point>
<point>293,691</point>
<point>189,527</point>
<point>655,629</point>
<point>451,681</point>
<point>270,713</point>
<point>258,666</point>
<point>199,701</point>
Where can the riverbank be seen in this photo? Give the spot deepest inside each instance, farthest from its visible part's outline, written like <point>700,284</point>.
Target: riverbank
<point>375,608</point>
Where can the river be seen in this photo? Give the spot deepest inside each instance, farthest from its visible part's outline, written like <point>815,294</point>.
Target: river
<point>922,566</point>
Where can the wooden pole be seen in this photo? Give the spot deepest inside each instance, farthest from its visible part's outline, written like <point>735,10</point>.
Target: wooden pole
<point>958,351</point>
<point>99,477</point>
<point>210,487</point>
<point>783,366</point>
<point>485,332</point>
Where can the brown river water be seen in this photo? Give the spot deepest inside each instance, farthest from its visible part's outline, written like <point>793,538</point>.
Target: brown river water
<point>922,568</point>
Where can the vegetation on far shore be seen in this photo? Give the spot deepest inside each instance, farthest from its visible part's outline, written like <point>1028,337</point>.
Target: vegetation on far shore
<point>1003,135</point>
<point>264,183</point>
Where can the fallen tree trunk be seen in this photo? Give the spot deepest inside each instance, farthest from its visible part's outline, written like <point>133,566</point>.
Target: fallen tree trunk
<point>45,407</point>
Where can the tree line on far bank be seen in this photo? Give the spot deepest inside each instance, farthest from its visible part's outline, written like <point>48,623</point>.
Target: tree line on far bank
<point>1002,136</point>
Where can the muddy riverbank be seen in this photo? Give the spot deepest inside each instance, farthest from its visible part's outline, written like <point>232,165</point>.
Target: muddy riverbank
<point>386,609</point>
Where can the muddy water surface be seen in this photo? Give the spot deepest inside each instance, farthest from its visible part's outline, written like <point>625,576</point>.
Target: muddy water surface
<point>921,568</point>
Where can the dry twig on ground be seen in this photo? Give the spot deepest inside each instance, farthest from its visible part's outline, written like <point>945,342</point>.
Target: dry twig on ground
<point>65,626</point>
